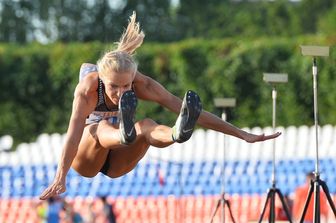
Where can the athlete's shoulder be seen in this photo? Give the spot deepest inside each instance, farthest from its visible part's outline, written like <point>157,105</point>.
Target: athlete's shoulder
<point>89,65</point>
<point>88,85</point>
<point>140,78</point>
<point>87,68</point>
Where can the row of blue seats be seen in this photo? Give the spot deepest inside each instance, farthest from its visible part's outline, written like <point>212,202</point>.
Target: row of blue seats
<point>243,177</point>
<point>231,167</point>
<point>188,170</point>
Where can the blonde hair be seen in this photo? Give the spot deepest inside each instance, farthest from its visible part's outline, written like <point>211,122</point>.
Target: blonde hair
<point>121,59</point>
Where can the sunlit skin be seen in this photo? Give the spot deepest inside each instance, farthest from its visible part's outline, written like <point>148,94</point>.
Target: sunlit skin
<point>87,147</point>
<point>90,147</point>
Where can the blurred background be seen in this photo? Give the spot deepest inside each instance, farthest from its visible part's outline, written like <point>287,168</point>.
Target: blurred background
<point>219,48</point>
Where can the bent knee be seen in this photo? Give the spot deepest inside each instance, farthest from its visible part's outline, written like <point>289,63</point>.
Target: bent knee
<point>144,126</point>
<point>103,125</point>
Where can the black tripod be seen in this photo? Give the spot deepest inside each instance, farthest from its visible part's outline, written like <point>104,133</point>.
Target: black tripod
<point>271,199</point>
<point>273,191</point>
<point>315,187</point>
<point>222,201</point>
<point>316,182</point>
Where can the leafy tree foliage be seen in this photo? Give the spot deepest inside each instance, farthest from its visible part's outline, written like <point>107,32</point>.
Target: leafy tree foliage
<point>220,48</point>
<point>37,81</point>
<point>103,20</point>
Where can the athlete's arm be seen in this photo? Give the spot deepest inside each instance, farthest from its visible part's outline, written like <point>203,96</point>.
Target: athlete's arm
<point>148,89</point>
<point>81,108</point>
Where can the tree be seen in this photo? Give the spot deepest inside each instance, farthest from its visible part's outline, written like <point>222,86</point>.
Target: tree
<point>15,17</point>
<point>311,10</point>
<point>155,17</point>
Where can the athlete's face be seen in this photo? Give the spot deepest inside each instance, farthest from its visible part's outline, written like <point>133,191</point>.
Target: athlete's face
<point>116,84</point>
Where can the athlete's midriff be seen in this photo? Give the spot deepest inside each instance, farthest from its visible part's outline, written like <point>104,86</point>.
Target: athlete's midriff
<point>97,116</point>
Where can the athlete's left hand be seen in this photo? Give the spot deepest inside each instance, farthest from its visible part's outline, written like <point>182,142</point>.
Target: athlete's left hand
<point>56,188</point>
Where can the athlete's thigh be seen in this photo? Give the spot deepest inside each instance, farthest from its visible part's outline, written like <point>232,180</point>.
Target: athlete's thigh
<point>124,159</point>
<point>91,155</point>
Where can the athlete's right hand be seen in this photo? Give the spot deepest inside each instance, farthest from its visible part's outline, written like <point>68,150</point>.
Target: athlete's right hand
<point>56,188</point>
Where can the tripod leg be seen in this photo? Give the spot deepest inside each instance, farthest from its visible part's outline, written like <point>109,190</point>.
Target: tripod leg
<point>265,205</point>
<point>230,212</point>
<point>317,216</point>
<point>310,192</point>
<point>327,193</point>
<point>284,205</point>
<point>215,211</point>
<point>271,217</point>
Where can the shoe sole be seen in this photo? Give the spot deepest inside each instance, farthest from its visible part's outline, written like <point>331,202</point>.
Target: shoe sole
<point>127,105</point>
<point>192,102</point>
